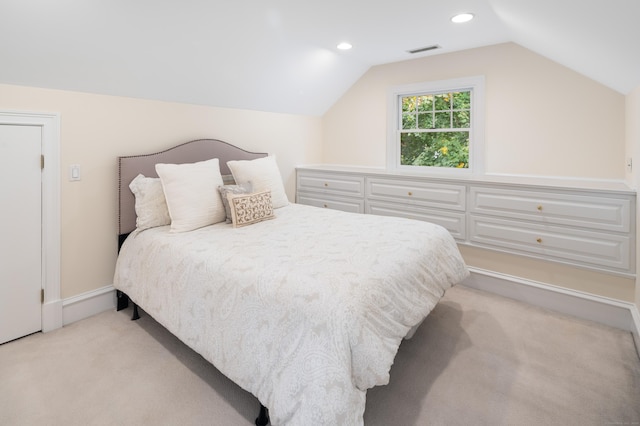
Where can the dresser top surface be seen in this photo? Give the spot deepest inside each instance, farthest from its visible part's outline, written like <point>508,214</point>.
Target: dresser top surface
<point>606,185</point>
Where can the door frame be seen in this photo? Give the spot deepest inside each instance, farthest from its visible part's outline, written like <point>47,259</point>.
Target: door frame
<point>50,125</point>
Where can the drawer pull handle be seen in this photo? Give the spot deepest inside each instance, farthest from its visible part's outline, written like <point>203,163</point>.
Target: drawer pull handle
<point>326,184</point>
<point>539,240</point>
<point>410,193</point>
<point>539,208</point>
<point>325,205</point>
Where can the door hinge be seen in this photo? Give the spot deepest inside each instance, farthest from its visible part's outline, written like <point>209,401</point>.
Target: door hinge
<point>42,161</point>
<point>42,295</point>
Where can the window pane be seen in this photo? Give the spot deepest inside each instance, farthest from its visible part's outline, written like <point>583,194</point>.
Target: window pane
<point>411,146</point>
<point>408,104</point>
<point>435,149</point>
<point>462,100</point>
<point>425,121</point>
<point>408,121</point>
<point>443,120</point>
<point>425,103</point>
<point>461,120</point>
<point>436,122</point>
<point>442,102</point>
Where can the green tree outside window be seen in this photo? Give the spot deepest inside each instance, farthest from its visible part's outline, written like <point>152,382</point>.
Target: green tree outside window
<point>435,130</point>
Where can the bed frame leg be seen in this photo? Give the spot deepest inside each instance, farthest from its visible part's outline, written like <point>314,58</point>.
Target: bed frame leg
<point>122,301</point>
<point>135,315</point>
<point>263,417</point>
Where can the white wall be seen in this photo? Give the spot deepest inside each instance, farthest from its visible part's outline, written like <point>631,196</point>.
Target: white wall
<point>96,129</point>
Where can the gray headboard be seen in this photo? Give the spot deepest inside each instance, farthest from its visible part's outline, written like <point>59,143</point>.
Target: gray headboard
<point>199,150</point>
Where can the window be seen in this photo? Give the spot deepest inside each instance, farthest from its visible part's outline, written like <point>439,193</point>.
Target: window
<point>437,126</point>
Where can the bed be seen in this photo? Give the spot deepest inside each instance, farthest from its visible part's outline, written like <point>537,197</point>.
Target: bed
<point>305,308</point>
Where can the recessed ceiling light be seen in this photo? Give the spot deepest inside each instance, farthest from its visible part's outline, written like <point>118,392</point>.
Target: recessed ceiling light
<point>462,17</point>
<point>344,46</point>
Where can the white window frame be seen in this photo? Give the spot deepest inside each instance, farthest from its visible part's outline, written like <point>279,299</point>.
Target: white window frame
<point>476,133</point>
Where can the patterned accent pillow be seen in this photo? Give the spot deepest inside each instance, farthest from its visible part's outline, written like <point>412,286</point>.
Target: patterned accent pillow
<point>250,208</point>
<point>151,205</point>
<point>225,190</point>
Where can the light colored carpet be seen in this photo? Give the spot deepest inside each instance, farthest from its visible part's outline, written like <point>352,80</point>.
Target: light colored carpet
<point>478,359</point>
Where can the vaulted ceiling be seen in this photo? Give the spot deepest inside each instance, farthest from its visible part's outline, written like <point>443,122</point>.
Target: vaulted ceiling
<point>280,55</point>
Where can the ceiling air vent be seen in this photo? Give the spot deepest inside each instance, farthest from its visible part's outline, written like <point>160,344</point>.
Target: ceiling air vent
<point>424,49</point>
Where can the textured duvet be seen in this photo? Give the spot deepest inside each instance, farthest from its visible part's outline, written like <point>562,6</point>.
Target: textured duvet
<point>306,311</point>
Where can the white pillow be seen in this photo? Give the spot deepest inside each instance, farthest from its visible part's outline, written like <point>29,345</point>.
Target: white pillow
<point>151,206</point>
<point>264,175</point>
<point>192,194</point>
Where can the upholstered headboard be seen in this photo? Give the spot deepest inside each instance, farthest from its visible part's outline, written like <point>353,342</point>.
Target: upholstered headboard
<point>199,150</point>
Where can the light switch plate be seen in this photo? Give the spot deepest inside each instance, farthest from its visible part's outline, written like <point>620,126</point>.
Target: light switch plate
<point>74,172</point>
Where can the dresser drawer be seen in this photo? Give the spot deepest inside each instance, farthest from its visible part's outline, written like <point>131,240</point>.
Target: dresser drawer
<point>569,245</point>
<point>331,184</point>
<point>329,202</point>
<point>611,214</point>
<point>414,192</point>
<point>453,222</point>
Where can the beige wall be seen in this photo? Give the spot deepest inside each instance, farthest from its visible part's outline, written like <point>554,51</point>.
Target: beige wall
<point>95,129</point>
<point>529,130</point>
<point>632,121</point>
<point>541,119</point>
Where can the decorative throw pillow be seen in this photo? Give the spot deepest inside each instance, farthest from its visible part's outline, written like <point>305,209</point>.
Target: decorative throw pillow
<point>191,193</point>
<point>250,208</point>
<point>245,188</point>
<point>151,206</point>
<point>263,173</point>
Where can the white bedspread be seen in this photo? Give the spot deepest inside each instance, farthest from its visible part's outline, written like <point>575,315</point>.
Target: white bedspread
<point>305,311</point>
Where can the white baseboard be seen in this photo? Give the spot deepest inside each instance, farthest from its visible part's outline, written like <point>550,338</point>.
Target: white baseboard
<point>611,312</point>
<point>636,333</point>
<point>603,310</point>
<point>51,315</point>
<point>88,304</point>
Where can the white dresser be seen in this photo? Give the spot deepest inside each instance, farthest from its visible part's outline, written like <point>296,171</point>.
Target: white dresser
<point>589,227</point>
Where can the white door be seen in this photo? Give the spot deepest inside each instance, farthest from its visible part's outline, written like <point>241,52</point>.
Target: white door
<point>21,235</point>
